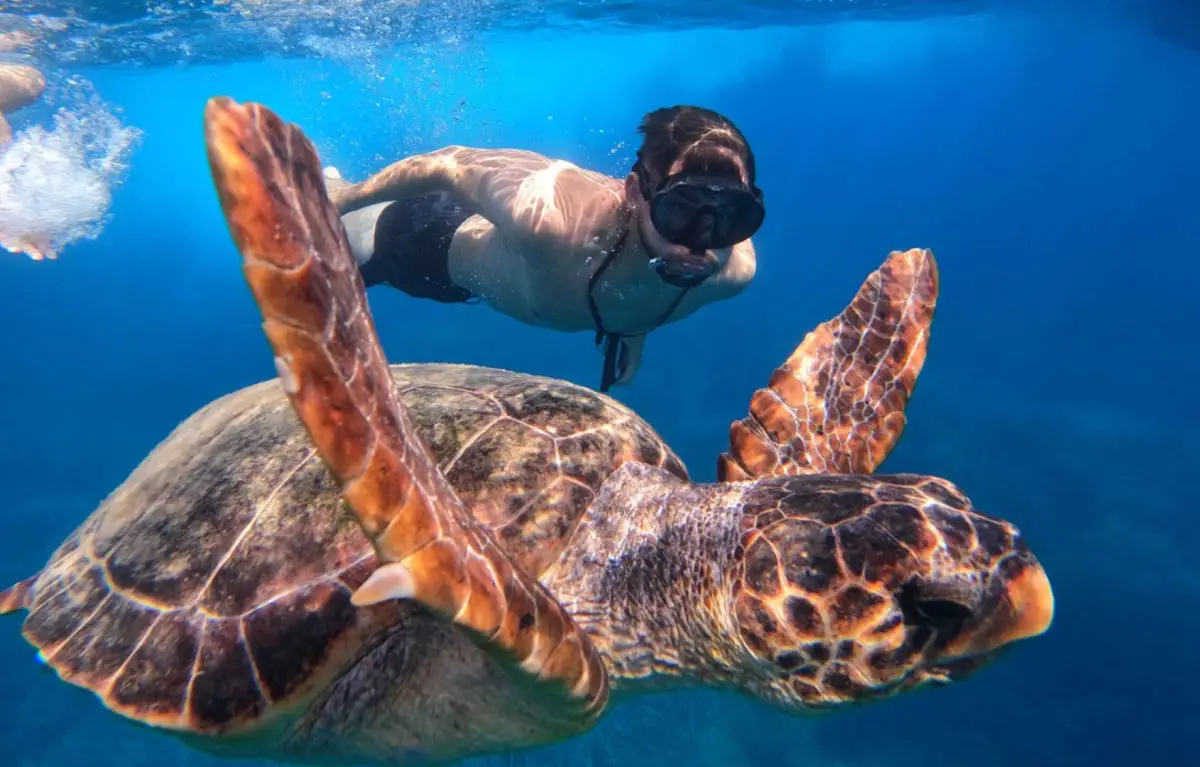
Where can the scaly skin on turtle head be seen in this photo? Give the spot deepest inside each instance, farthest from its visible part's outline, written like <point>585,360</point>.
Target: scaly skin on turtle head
<point>859,587</point>
<point>809,592</point>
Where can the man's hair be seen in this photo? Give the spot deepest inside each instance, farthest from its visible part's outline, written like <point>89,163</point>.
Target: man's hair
<point>703,139</point>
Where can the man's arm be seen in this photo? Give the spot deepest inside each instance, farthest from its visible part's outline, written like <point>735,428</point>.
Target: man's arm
<point>517,191</point>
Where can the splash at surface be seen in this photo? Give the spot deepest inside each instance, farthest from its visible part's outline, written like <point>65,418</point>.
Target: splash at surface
<point>56,183</point>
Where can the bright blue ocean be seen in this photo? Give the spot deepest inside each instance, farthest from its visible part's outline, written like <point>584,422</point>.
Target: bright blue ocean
<point>1048,157</point>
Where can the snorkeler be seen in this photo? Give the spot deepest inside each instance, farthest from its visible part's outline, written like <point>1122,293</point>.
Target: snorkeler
<point>20,86</point>
<point>561,247</point>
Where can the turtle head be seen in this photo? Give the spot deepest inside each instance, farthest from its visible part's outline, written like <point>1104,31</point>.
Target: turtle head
<point>855,588</point>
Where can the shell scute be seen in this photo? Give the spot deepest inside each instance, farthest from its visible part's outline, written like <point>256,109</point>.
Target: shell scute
<point>224,688</point>
<point>539,530</point>
<point>559,411</point>
<point>103,643</point>
<point>586,457</point>
<point>448,417</point>
<point>167,531</point>
<point>294,538</point>
<point>155,679</point>
<point>65,599</point>
<point>292,638</point>
<point>502,470</point>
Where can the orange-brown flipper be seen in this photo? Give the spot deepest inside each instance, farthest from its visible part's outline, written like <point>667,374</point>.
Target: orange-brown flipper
<point>837,404</point>
<point>300,268</point>
<point>17,596</point>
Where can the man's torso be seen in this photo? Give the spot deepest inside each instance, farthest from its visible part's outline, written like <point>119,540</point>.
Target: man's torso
<point>543,279</point>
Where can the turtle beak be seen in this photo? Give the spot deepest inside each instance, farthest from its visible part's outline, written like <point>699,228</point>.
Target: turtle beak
<point>1031,604</point>
<point>1023,608</point>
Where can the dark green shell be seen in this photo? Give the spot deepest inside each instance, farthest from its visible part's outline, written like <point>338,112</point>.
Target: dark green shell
<point>213,586</point>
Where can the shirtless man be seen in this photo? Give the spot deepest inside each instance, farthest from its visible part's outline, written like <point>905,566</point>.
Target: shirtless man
<point>20,86</point>
<point>561,247</point>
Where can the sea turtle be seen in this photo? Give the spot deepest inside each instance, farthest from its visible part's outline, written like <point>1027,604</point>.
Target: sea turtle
<point>423,563</point>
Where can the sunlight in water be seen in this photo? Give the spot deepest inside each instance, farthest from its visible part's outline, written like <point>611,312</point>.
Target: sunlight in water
<point>56,184</point>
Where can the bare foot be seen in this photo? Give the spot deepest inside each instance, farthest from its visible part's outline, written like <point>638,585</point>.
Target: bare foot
<point>33,246</point>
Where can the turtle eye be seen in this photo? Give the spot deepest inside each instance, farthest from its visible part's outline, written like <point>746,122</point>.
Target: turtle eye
<point>928,610</point>
<point>942,611</point>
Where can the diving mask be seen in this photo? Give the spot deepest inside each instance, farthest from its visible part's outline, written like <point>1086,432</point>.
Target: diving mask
<point>702,211</point>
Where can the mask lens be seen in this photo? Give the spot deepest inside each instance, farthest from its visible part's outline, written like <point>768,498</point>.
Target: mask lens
<point>737,214</point>
<point>740,220</point>
<point>672,215</point>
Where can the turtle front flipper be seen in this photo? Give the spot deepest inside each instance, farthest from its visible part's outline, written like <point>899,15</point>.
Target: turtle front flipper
<point>302,274</point>
<point>837,404</point>
<point>17,596</point>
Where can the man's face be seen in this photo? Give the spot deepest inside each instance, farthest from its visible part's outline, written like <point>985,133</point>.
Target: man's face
<point>681,260</point>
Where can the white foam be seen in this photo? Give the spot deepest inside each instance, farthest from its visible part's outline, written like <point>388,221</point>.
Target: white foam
<point>56,184</point>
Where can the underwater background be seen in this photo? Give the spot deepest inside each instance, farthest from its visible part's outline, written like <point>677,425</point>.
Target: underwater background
<point>1049,158</point>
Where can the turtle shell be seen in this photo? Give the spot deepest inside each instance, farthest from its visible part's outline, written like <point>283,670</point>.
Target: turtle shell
<point>211,590</point>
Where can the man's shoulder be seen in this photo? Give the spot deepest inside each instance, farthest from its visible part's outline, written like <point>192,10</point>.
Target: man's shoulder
<point>501,158</point>
<point>522,161</point>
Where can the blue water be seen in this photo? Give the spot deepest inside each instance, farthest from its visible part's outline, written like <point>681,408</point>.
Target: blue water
<point>1049,161</point>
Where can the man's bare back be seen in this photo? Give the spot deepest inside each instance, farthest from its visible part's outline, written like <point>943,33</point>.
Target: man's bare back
<point>535,241</point>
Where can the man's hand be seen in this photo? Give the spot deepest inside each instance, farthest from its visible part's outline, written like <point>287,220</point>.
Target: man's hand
<point>632,358</point>
<point>334,183</point>
<point>685,264</point>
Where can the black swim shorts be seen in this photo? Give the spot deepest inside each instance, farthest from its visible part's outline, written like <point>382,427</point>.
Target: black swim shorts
<point>412,247</point>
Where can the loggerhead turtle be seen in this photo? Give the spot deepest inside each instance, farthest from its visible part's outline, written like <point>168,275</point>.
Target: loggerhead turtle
<point>514,546</point>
